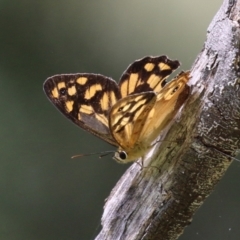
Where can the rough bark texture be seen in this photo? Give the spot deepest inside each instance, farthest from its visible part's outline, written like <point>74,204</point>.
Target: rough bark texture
<point>153,204</point>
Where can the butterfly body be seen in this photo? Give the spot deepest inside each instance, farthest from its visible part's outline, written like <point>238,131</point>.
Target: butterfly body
<point>129,115</point>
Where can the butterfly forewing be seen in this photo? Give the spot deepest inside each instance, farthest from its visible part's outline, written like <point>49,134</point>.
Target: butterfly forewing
<point>147,74</point>
<point>85,99</point>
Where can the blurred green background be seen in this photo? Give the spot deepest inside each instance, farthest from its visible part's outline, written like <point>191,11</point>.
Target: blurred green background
<point>44,193</point>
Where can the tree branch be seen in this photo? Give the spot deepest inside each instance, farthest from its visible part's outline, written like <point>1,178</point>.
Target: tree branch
<point>153,204</point>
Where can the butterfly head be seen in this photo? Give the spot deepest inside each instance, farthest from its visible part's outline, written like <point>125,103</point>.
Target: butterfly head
<point>131,155</point>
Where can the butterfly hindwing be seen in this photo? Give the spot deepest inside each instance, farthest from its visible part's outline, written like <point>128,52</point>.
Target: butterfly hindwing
<point>85,99</point>
<point>128,116</point>
<point>169,100</point>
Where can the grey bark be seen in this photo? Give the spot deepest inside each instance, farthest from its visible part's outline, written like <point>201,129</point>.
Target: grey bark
<point>151,204</point>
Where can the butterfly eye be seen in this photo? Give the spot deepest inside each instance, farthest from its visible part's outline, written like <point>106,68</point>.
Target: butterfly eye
<point>120,156</point>
<point>123,155</point>
<point>63,91</point>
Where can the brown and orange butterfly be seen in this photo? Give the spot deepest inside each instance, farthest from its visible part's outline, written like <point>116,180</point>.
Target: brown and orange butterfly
<point>129,115</point>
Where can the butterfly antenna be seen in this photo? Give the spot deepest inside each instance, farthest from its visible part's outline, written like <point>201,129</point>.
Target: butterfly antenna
<point>89,154</point>
<point>105,154</point>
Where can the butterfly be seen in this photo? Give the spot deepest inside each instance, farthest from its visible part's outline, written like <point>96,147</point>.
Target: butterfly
<point>129,115</point>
